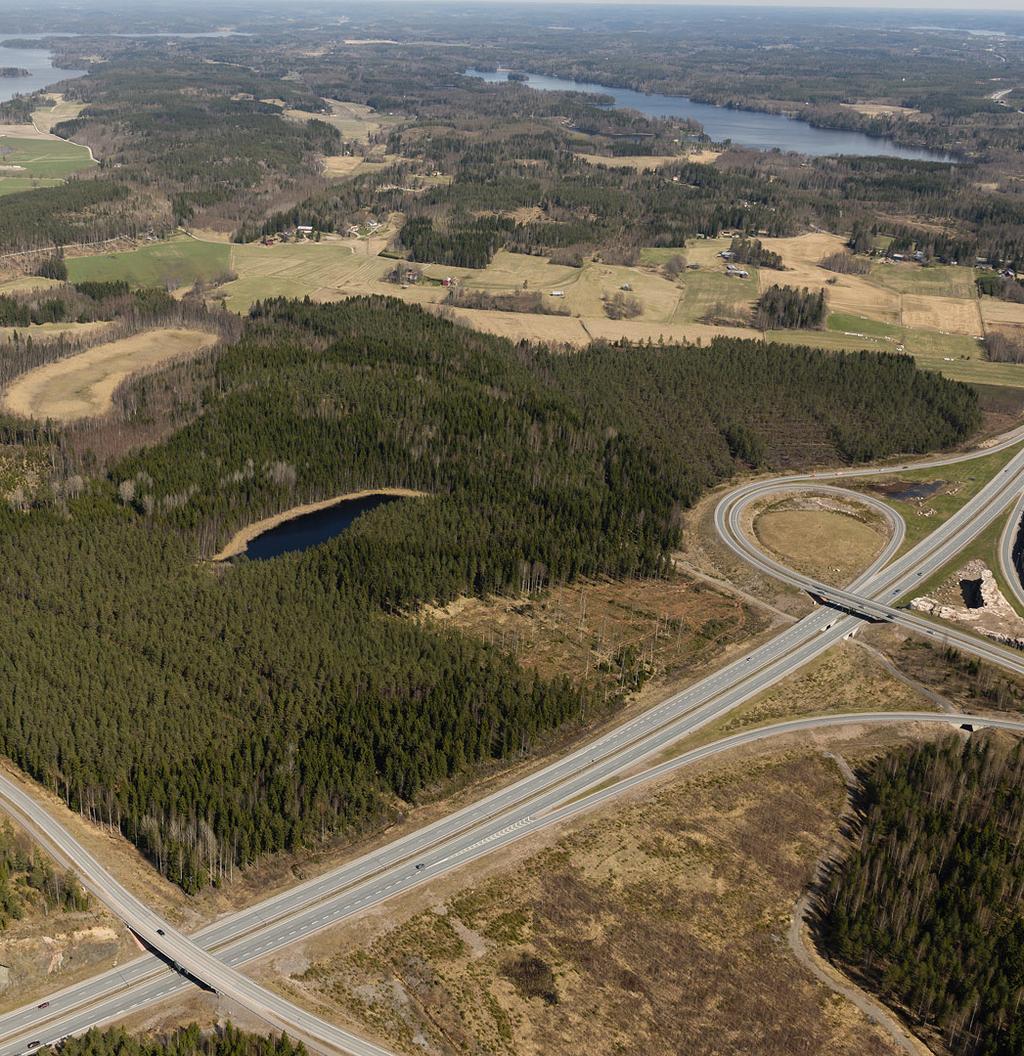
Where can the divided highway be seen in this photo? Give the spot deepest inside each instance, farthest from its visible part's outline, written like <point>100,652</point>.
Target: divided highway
<point>543,798</point>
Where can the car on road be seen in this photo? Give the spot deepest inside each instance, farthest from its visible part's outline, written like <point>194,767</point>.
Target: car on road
<point>34,1044</point>
<point>420,865</point>
<point>45,1004</point>
<point>160,931</point>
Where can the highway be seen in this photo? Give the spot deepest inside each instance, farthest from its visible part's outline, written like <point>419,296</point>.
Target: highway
<point>1006,544</point>
<point>507,815</point>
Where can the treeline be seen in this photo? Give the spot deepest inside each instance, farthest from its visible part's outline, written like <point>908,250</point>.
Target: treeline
<point>188,1041</point>
<point>926,908</point>
<point>789,308</point>
<point>1005,288</point>
<point>79,211</point>
<point>532,301</point>
<point>28,880</point>
<point>85,302</point>
<point>459,242</point>
<point>844,263</point>
<point>751,251</point>
<point>290,702</point>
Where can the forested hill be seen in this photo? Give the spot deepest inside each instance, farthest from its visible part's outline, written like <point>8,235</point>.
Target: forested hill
<point>189,1041</point>
<point>928,907</point>
<point>218,718</point>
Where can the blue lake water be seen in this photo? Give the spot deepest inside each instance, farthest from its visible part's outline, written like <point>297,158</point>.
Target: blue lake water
<point>42,71</point>
<point>311,529</point>
<point>746,128</point>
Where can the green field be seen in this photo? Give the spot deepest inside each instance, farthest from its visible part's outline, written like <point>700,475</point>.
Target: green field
<point>50,158</point>
<point>939,280</point>
<point>703,290</point>
<point>955,355</point>
<point>14,184</point>
<point>176,263</point>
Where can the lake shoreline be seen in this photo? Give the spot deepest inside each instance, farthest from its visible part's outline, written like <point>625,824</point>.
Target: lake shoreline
<point>755,129</point>
<point>239,542</point>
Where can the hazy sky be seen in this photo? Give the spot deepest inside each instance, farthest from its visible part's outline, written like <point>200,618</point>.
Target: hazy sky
<point>1016,6</point>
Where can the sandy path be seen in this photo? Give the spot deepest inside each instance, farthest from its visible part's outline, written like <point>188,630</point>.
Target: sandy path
<point>83,385</point>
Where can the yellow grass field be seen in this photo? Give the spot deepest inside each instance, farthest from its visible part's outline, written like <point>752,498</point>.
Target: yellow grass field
<point>880,109</point>
<point>643,162</point>
<point>83,385</point>
<point>45,118</point>
<point>951,315</point>
<point>342,165</point>
<point>521,326</point>
<point>352,120</point>
<point>38,330</point>
<point>1004,313</point>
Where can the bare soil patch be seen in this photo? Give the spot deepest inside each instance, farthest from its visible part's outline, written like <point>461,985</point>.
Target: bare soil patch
<point>971,596</point>
<point>83,385</point>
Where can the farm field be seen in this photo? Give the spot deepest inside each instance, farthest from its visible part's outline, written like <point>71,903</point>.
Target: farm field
<point>46,117</point>
<point>37,330</point>
<point>324,271</point>
<point>1001,313</point>
<point>83,385</point>
<point>14,184</point>
<point>178,262</point>
<point>352,120</point>
<point>642,162</point>
<point>909,313</point>
<point>38,157</point>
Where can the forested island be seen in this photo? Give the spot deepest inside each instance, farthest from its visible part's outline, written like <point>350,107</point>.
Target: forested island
<point>14,71</point>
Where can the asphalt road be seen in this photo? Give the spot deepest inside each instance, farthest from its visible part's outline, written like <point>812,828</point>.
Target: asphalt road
<point>539,799</point>
<point>1006,544</point>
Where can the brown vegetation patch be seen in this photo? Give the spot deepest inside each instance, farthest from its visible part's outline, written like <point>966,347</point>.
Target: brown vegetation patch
<point>1008,313</point>
<point>83,385</point>
<point>615,634</point>
<point>950,315</point>
<point>658,920</point>
<point>820,535</point>
<point>880,109</point>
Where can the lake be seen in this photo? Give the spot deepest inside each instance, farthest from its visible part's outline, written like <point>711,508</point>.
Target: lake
<point>42,71</point>
<point>746,128</point>
<point>311,529</point>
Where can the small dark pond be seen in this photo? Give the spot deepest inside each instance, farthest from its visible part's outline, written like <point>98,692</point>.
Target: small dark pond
<point>311,529</point>
<point>907,490</point>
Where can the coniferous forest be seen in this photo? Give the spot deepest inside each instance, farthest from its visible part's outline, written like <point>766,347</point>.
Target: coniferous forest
<point>214,718</point>
<point>926,908</point>
<point>189,1041</point>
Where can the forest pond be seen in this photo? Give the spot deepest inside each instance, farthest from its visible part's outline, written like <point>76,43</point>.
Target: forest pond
<point>311,529</point>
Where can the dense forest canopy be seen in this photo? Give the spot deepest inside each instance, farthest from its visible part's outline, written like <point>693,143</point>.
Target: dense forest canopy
<point>215,719</point>
<point>927,907</point>
<point>188,1041</point>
